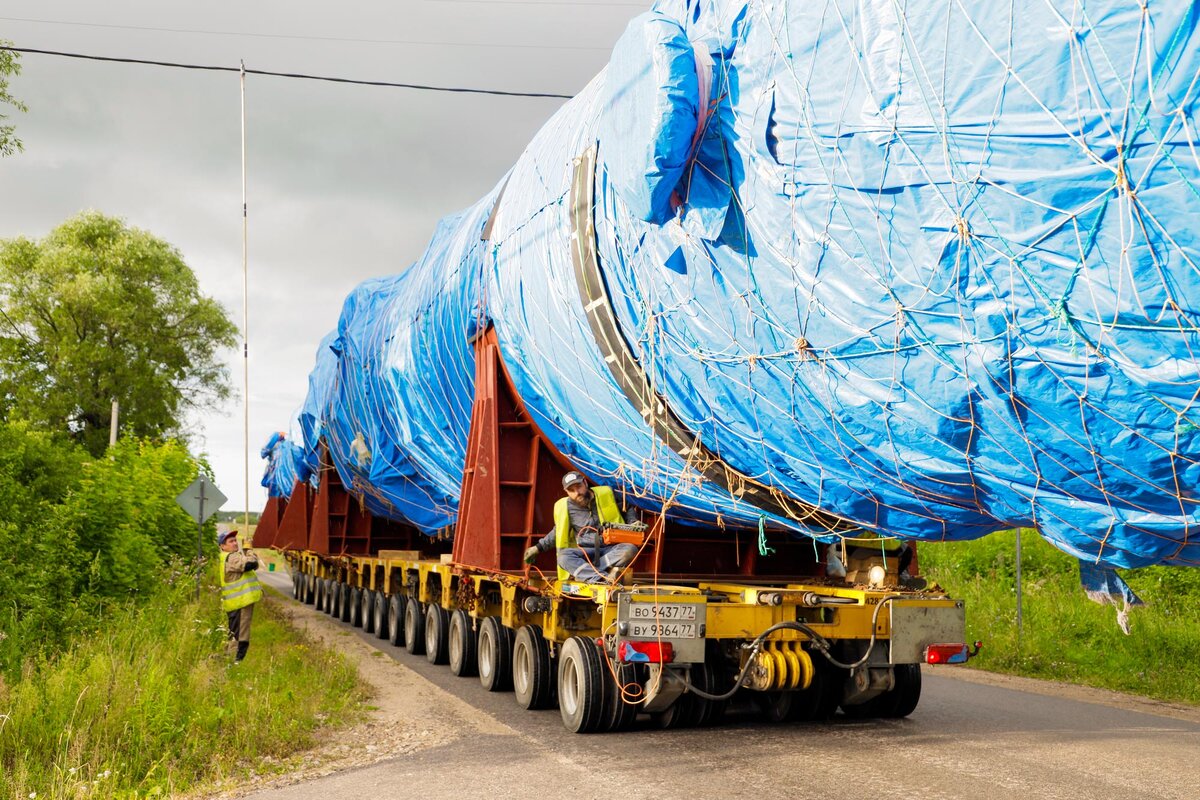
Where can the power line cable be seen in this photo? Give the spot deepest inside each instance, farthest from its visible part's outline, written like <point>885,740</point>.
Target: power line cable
<point>295,75</point>
<point>343,39</point>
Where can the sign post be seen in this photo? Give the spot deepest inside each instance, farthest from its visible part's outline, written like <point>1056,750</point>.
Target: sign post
<point>201,499</point>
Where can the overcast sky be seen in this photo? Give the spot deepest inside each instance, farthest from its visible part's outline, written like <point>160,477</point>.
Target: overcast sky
<point>345,182</point>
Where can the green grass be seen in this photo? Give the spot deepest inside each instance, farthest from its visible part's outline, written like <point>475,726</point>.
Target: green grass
<point>154,706</point>
<point>1065,636</point>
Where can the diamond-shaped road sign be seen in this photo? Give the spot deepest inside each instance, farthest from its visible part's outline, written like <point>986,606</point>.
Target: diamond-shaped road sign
<point>201,499</point>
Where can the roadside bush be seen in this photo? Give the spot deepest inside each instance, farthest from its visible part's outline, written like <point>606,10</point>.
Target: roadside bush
<point>78,534</point>
<point>154,705</point>
<point>1064,635</point>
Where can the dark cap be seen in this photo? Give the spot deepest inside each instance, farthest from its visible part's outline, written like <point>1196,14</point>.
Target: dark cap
<point>223,534</point>
<point>572,478</point>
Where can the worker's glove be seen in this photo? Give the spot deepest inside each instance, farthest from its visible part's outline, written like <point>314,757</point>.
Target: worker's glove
<point>252,564</point>
<point>531,555</point>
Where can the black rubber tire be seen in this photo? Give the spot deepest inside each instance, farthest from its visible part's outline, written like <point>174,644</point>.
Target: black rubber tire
<point>366,610</point>
<point>397,605</point>
<point>581,685</point>
<point>462,656</point>
<point>356,618</point>
<point>323,595</point>
<point>382,605</point>
<point>295,585</point>
<point>906,694</point>
<point>347,603</point>
<point>618,713</point>
<point>691,710</point>
<point>414,627</point>
<point>332,592</point>
<point>533,674</point>
<point>310,589</point>
<point>899,701</point>
<point>820,700</point>
<point>775,707</point>
<point>494,650</point>
<point>437,634</point>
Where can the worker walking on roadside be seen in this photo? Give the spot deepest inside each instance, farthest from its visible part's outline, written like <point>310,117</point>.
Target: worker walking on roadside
<point>578,521</point>
<point>240,588</point>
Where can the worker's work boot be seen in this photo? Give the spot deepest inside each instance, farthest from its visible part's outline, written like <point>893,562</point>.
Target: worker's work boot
<point>241,651</point>
<point>622,576</point>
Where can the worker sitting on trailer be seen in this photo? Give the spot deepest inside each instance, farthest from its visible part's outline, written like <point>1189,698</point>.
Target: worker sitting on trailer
<point>578,520</point>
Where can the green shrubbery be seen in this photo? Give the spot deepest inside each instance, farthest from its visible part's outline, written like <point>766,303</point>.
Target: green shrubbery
<point>114,679</point>
<point>154,705</point>
<point>1064,635</point>
<point>78,535</point>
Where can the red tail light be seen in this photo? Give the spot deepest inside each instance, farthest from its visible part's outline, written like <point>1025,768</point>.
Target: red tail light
<point>647,652</point>
<point>946,654</point>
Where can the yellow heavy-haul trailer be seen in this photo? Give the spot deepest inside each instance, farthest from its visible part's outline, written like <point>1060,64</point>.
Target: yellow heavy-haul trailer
<point>675,651</point>
<point>709,613</point>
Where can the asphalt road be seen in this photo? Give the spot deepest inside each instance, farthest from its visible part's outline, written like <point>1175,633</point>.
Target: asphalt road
<point>973,736</point>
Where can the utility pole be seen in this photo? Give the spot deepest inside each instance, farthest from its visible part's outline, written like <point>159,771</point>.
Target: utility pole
<point>112,425</point>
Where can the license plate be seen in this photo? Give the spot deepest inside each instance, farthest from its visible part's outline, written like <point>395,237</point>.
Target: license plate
<point>663,630</point>
<point>662,612</point>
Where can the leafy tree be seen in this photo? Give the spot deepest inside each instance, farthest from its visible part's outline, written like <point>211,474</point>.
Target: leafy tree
<point>99,311</point>
<point>9,65</point>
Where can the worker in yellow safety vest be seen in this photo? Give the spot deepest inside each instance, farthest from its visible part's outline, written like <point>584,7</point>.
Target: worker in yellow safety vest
<point>577,535</point>
<point>240,588</point>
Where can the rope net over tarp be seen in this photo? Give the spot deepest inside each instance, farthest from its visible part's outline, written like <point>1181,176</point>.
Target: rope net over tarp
<point>929,268</point>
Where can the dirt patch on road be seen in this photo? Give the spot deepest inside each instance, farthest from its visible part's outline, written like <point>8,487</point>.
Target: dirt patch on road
<point>406,712</point>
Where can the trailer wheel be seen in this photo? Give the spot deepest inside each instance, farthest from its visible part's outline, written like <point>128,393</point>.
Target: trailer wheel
<point>346,603</point>
<point>899,701</point>
<point>356,604</point>
<point>382,602</point>
<point>437,634</point>
<point>331,596</point>
<point>367,610</point>
<point>295,585</point>
<point>775,706</point>
<point>322,594</point>
<point>414,627</point>
<point>907,692</point>
<point>397,605</point>
<point>581,685</point>
<point>310,589</point>
<point>691,710</point>
<point>463,660</point>
<point>619,713</point>
<point>532,669</point>
<point>495,649</point>
<point>820,700</point>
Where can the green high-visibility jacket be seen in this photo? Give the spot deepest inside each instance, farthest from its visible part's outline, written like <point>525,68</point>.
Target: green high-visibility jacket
<point>874,541</point>
<point>564,536</point>
<point>240,593</point>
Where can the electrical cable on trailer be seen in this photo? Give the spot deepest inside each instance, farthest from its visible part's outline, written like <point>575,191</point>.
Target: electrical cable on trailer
<point>819,641</point>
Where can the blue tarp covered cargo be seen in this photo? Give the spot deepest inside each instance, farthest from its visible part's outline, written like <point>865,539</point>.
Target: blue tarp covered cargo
<point>930,268</point>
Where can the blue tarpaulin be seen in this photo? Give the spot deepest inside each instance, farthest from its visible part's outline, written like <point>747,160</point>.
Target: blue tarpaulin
<point>929,268</point>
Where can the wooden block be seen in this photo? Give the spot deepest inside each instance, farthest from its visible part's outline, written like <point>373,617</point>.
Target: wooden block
<point>447,558</point>
<point>401,555</point>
